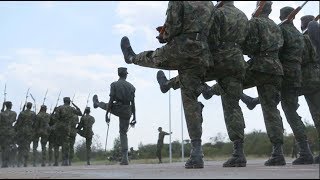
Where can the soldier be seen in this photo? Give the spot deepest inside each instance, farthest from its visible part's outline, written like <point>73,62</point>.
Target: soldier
<point>7,133</point>
<point>24,133</point>
<point>311,71</point>
<point>160,142</point>
<point>121,104</point>
<point>42,129</point>
<point>62,126</point>
<point>52,138</point>
<point>296,59</point>
<point>227,34</point>
<point>85,130</point>
<point>73,134</point>
<point>186,51</point>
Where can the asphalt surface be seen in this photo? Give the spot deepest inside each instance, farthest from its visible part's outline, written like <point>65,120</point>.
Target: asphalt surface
<point>212,170</point>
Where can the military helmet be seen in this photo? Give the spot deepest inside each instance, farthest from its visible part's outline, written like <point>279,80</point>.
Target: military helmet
<point>8,103</point>
<point>285,11</point>
<point>122,70</point>
<point>87,109</point>
<point>43,107</point>
<point>159,128</point>
<point>66,99</point>
<point>307,18</point>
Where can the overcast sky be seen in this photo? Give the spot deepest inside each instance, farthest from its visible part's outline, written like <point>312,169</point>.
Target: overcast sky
<point>75,47</point>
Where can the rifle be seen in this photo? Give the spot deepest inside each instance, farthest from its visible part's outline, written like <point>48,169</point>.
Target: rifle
<point>258,11</point>
<point>35,108</point>
<point>105,147</point>
<point>44,99</point>
<point>86,104</point>
<point>57,102</point>
<point>293,14</point>
<point>315,19</point>
<point>219,4</point>
<point>24,106</point>
<point>4,97</point>
<point>73,97</point>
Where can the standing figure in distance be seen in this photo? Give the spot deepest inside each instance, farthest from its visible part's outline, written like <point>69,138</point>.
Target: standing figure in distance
<point>160,142</point>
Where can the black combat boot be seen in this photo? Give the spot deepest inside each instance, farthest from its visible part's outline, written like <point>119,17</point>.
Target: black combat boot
<point>277,158</point>
<point>305,155</point>
<point>249,101</point>
<point>95,101</point>
<point>238,158</point>
<point>196,156</point>
<point>127,50</point>
<point>207,91</point>
<point>124,149</point>
<point>163,81</point>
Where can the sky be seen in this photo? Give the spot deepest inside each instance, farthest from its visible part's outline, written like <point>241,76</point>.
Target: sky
<point>75,47</point>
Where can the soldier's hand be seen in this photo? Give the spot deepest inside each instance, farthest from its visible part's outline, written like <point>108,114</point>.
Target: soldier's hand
<point>133,122</point>
<point>159,28</point>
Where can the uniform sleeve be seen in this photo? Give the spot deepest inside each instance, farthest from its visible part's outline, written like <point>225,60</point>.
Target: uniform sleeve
<point>174,20</point>
<point>250,45</point>
<point>214,33</point>
<point>112,90</point>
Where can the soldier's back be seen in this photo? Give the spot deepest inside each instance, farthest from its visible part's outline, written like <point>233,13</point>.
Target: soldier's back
<point>122,90</point>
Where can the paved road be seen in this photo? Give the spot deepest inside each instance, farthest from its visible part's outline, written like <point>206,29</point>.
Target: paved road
<point>213,169</point>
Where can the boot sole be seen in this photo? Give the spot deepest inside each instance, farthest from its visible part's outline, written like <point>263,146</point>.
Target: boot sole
<point>236,165</point>
<point>194,167</point>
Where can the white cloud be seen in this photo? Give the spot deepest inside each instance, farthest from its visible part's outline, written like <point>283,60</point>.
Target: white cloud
<point>47,4</point>
<point>124,29</point>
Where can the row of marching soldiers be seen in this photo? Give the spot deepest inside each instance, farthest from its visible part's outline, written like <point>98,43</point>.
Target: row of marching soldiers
<point>58,128</point>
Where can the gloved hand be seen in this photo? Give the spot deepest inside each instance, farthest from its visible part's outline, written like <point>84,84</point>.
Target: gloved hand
<point>159,28</point>
<point>161,40</point>
<point>133,122</point>
<point>107,119</point>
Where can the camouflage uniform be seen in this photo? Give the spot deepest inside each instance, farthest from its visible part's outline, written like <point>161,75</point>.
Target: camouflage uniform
<point>7,133</point>
<point>41,128</point>
<point>86,122</point>
<point>291,58</point>
<point>73,134</point>
<point>52,139</point>
<point>310,68</point>
<point>186,51</point>
<point>227,66</point>
<point>24,133</point>
<point>62,128</point>
<point>160,143</point>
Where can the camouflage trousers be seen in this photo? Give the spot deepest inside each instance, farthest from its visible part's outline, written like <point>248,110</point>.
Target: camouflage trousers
<point>5,143</point>
<point>43,141</point>
<point>229,71</point>
<point>190,58</point>
<point>51,140</point>
<point>88,147</point>
<point>72,141</point>
<point>289,103</point>
<point>62,138</point>
<point>312,95</point>
<point>123,126</point>
<point>268,87</point>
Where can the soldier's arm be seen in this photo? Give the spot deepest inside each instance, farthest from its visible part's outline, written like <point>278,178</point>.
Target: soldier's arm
<point>250,45</point>
<point>173,24</point>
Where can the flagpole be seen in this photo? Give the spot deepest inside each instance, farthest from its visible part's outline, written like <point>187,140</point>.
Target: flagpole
<point>170,148</point>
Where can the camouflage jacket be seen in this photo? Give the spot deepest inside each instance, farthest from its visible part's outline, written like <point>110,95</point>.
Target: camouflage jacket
<point>86,123</point>
<point>313,32</point>
<point>7,118</point>
<point>291,55</point>
<point>25,123</point>
<point>122,91</point>
<point>64,115</point>
<point>310,66</point>
<point>42,123</point>
<point>184,17</point>
<point>227,34</point>
<point>262,45</point>
<point>74,122</point>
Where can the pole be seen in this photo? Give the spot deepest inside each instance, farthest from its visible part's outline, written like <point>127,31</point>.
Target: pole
<point>182,142</point>
<point>170,148</point>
